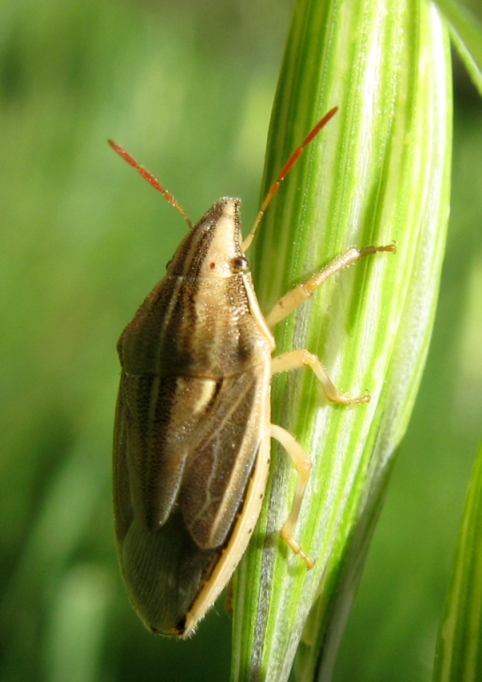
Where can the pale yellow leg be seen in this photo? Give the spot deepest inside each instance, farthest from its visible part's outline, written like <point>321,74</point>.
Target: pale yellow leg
<point>303,358</point>
<point>283,363</point>
<point>301,461</point>
<point>302,465</point>
<point>294,298</point>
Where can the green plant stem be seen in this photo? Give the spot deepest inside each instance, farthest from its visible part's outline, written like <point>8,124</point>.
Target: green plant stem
<point>379,172</point>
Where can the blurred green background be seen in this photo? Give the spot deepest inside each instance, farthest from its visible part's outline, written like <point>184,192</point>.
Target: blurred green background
<point>187,88</point>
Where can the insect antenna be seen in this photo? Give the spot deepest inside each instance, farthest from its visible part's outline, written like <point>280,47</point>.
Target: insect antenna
<point>284,172</point>
<point>150,179</point>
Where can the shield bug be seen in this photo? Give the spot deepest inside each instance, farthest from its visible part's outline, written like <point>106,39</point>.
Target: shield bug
<point>192,431</point>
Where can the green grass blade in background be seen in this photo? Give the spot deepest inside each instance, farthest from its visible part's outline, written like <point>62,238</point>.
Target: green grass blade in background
<point>459,648</point>
<point>378,172</point>
<point>466,33</point>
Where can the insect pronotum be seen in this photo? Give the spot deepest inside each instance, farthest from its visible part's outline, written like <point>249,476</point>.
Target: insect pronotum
<point>192,432</point>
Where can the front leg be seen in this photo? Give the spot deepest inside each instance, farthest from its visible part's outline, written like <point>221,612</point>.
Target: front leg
<point>301,293</point>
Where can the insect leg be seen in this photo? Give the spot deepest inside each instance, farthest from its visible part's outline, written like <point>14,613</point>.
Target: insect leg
<point>294,298</point>
<point>303,358</point>
<point>302,465</point>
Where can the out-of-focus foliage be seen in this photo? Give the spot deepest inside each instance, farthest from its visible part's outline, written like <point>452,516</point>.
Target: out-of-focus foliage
<point>458,654</point>
<point>187,88</point>
<point>466,32</point>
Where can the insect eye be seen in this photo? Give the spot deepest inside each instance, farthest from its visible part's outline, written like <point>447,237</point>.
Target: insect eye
<point>239,264</point>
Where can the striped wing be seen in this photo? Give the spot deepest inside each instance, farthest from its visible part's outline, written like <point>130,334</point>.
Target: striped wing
<point>187,445</point>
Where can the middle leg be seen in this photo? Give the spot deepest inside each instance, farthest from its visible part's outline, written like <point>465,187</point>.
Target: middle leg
<point>303,358</point>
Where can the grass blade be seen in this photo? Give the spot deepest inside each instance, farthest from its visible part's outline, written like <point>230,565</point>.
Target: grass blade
<point>379,172</point>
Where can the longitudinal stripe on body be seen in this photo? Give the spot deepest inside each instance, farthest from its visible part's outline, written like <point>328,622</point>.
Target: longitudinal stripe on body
<point>196,253</point>
<point>192,254</point>
<point>242,460</point>
<point>178,284</point>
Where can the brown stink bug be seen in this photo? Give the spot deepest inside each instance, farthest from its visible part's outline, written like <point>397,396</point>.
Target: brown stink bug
<point>193,428</point>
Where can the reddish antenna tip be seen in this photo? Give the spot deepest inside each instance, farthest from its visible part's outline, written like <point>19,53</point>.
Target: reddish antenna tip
<point>284,172</point>
<point>150,179</point>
